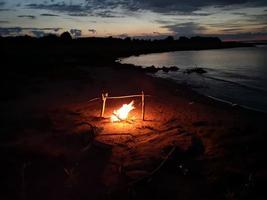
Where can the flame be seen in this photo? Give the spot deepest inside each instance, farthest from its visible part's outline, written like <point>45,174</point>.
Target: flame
<point>122,113</point>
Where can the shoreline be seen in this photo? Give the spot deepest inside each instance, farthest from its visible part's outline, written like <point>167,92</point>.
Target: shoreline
<point>175,83</point>
<point>219,100</point>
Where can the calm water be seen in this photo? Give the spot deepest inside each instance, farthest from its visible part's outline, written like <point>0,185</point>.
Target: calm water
<point>237,75</point>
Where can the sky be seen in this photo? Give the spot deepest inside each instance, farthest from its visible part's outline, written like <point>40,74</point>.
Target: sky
<point>155,19</point>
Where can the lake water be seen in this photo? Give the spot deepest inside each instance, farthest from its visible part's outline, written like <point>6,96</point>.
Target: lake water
<point>237,75</point>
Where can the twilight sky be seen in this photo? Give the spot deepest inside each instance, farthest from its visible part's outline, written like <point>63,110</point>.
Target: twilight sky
<point>228,19</point>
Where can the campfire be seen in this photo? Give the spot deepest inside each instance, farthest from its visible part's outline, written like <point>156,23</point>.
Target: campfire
<point>122,113</point>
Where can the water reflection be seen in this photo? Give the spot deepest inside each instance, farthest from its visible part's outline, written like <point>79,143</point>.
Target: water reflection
<point>238,75</point>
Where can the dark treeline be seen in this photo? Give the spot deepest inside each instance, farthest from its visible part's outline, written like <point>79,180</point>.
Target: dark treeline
<point>52,49</point>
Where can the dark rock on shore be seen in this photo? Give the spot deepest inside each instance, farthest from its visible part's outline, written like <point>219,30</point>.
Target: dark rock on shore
<point>168,69</point>
<point>197,70</point>
<point>153,69</point>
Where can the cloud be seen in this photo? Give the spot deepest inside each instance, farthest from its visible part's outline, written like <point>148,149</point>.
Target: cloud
<point>48,15</point>
<point>242,36</point>
<point>78,14</point>
<point>95,8</point>
<point>188,28</point>
<point>111,8</point>
<point>92,31</point>
<point>60,7</point>
<point>76,32</point>
<point>38,33</point>
<point>15,31</point>
<point>4,22</point>
<point>107,14</point>
<point>27,16</point>
<point>226,30</point>
<point>124,35</point>
<point>4,9</point>
<point>10,31</point>
<point>187,6</point>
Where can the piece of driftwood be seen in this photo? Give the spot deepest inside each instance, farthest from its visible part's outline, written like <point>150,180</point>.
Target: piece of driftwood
<point>122,120</point>
<point>152,173</point>
<point>116,134</point>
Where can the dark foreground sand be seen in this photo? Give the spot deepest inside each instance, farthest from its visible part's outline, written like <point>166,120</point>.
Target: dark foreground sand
<point>55,146</point>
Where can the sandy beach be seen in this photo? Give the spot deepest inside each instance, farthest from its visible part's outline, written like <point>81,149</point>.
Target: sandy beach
<point>54,145</point>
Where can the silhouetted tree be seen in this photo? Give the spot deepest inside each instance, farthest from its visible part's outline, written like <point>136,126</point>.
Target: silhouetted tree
<point>128,39</point>
<point>169,38</point>
<point>183,39</point>
<point>50,37</point>
<point>66,36</point>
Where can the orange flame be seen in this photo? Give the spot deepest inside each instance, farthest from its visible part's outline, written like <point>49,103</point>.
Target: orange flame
<point>122,113</point>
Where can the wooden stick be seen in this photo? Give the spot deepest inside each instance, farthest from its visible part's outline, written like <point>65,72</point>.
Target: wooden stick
<point>157,168</point>
<point>104,98</point>
<point>129,96</point>
<point>115,134</point>
<point>143,106</point>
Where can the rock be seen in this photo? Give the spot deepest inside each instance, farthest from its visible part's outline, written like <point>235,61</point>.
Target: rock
<point>197,70</point>
<point>165,69</point>
<point>173,68</point>
<point>151,69</point>
<point>168,69</point>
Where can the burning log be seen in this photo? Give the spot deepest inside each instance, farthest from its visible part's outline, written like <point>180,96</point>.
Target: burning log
<point>122,113</point>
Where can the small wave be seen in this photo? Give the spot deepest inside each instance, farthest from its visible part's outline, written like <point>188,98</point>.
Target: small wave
<point>239,84</point>
<point>234,104</point>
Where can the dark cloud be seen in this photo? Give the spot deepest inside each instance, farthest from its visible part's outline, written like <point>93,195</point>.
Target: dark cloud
<point>168,6</point>
<point>4,9</point>
<point>242,36</point>
<point>48,15</point>
<point>107,14</point>
<point>60,7</point>
<point>4,22</point>
<point>107,8</point>
<point>14,31</point>
<point>240,13</point>
<point>95,8</point>
<point>92,31</point>
<point>76,32</point>
<point>10,31</point>
<point>188,28</point>
<point>27,16</point>
<point>78,14</point>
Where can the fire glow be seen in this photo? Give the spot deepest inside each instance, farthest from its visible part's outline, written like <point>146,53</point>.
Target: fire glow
<point>122,113</point>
